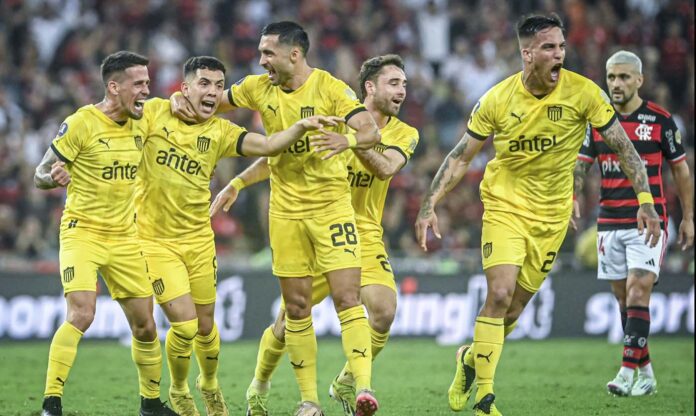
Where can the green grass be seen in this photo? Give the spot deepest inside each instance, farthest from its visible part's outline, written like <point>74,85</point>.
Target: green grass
<point>555,377</point>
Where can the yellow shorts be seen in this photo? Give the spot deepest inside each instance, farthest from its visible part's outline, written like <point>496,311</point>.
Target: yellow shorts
<point>530,244</point>
<point>119,260</point>
<point>376,270</point>
<point>180,267</point>
<point>314,246</point>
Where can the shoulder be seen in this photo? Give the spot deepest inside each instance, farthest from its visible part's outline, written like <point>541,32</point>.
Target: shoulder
<point>404,128</point>
<point>253,81</point>
<point>657,109</point>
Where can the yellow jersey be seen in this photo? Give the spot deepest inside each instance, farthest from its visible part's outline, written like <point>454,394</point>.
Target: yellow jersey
<point>302,185</point>
<point>179,159</point>
<point>369,192</point>
<point>536,143</point>
<point>102,157</point>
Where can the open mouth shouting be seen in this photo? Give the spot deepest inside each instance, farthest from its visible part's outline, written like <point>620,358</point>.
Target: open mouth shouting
<point>208,106</point>
<point>556,72</point>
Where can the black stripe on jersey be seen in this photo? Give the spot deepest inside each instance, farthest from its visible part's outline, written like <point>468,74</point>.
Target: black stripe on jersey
<point>642,147</point>
<point>398,149</point>
<point>652,171</point>
<point>240,140</point>
<point>354,112</point>
<point>609,123</point>
<point>60,155</point>
<point>627,193</point>
<point>475,135</point>
<point>626,212</point>
<point>229,97</point>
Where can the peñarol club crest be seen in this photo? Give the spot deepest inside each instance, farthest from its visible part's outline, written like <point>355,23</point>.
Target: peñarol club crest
<point>68,274</point>
<point>487,249</point>
<point>203,144</point>
<point>306,112</point>
<point>554,112</point>
<point>158,287</point>
<point>138,142</point>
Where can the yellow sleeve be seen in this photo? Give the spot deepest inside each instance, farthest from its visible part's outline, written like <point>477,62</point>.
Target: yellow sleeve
<point>407,142</point>
<point>482,120</point>
<point>600,113</point>
<point>70,138</point>
<point>241,93</point>
<point>233,138</point>
<point>346,103</point>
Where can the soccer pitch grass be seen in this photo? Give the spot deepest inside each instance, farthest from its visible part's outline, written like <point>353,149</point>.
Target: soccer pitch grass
<point>411,377</point>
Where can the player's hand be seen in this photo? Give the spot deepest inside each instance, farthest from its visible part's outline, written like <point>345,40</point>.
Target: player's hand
<point>686,233</point>
<point>182,108</point>
<point>224,199</point>
<point>426,220</point>
<point>649,222</point>
<point>317,122</point>
<point>59,174</point>
<point>575,215</point>
<point>329,140</point>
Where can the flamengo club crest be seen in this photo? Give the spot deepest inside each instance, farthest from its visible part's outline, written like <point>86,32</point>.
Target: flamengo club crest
<point>306,112</point>
<point>554,112</point>
<point>203,144</point>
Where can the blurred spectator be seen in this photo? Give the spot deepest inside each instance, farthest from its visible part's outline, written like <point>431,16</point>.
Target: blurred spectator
<point>50,52</point>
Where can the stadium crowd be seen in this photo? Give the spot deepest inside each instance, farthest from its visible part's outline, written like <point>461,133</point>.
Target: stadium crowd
<point>50,51</point>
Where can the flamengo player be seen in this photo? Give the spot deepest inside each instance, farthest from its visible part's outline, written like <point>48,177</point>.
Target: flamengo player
<point>631,266</point>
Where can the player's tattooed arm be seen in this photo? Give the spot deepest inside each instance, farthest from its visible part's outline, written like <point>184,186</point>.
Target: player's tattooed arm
<point>50,172</point>
<point>579,175</point>
<point>631,164</point>
<point>383,165</point>
<point>450,173</point>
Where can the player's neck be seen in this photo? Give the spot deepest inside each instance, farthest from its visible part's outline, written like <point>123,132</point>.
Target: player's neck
<point>534,85</point>
<point>380,118</point>
<point>630,107</point>
<point>112,110</point>
<point>298,78</point>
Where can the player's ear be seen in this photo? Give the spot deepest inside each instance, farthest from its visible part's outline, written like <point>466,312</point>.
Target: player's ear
<point>295,54</point>
<point>113,87</point>
<point>639,80</point>
<point>185,89</point>
<point>369,87</point>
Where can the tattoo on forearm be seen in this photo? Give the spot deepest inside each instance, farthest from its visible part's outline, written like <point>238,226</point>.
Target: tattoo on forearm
<point>631,164</point>
<point>42,175</point>
<point>579,174</point>
<point>446,177</point>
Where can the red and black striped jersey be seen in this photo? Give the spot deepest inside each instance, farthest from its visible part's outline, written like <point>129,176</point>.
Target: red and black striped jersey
<point>655,136</point>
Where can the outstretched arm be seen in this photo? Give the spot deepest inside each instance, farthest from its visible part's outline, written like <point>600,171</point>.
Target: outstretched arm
<point>685,190</point>
<point>51,172</point>
<point>255,144</point>
<point>366,135</point>
<point>632,165</point>
<point>256,172</point>
<point>450,173</point>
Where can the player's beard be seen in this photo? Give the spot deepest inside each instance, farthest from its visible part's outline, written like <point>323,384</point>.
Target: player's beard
<point>387,107</point>
<point>626,98</point>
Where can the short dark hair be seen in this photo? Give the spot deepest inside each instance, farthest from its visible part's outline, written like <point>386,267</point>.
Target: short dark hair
<point>289,33</point>
<point>370,69</point>
<point>528,26</point>
<point>202,62</point>
<point>119,62</point>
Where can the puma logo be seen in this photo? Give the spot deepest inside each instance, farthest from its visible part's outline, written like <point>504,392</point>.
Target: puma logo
<point>363,352</point>
<point>61,381</point>
<point>186,357</point>
<point>105,142</point>
<point>155,381</point>
<point>300,365</point>
<point>346,250</point>
<point>212,358</point>
<point>519,118</point>
<point>273,109</point>
<point>167,132</point>
<point>487,357</point>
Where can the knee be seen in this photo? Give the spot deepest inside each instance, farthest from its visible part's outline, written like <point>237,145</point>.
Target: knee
<point>381,319</point>
<point>345,300</point>
<point>299,308</point>
<point>205,327</point>
<point>81,318</point>
<point>637,296</point>
<point>500,297</point>
<point>144,330</point>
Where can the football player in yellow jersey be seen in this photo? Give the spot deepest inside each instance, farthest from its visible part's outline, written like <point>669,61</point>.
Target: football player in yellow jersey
<point>96,155</point>
<point>312,222</point>
<point>172,203</point>
<point>383,86</point>
<point>538,119</point>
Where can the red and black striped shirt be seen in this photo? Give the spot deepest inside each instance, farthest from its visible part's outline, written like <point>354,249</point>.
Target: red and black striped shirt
<point>655,136</point>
